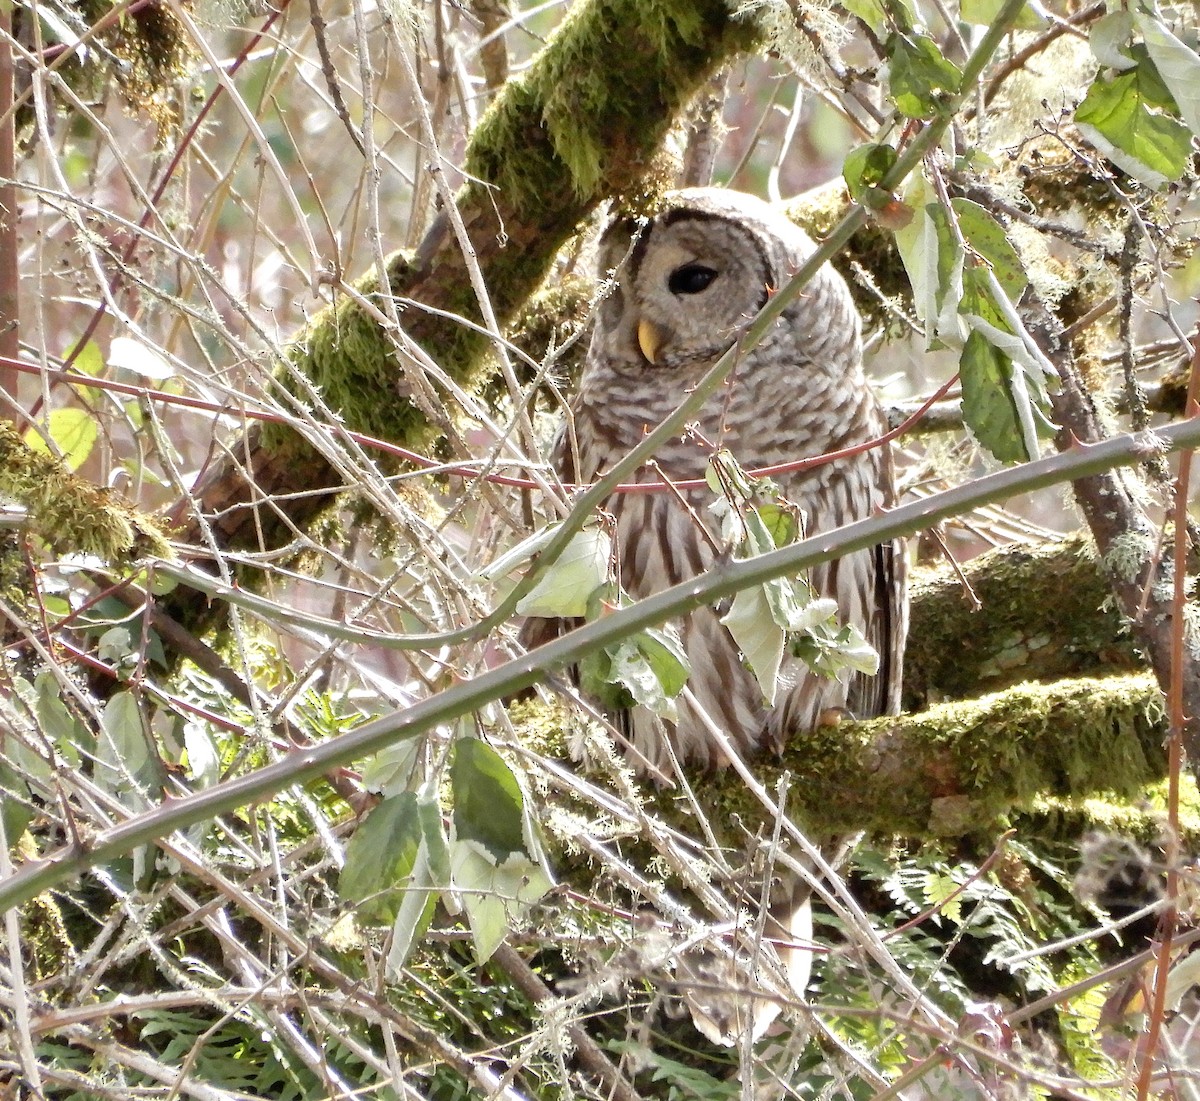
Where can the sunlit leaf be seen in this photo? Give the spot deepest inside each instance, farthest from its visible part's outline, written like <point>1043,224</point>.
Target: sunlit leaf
<point>652,667</point>
<point>1123,117</point>
<point>984,12</point>
<point>1177,63</point>
<point>74,432</point>
<point>429,876</point>
<point>780,523</point>
<point>567,586</point>
<point>987,237</point>
<point>90,360</point>
<point>864,170</point>
<point>494,893</point>
<point>752,624</point>
<point>125,765</point>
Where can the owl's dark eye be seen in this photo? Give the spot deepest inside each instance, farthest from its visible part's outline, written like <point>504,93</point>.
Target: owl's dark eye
<point>690,279</point>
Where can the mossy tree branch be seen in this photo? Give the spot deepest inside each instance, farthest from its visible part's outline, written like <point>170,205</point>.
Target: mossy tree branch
<point>582,124</point>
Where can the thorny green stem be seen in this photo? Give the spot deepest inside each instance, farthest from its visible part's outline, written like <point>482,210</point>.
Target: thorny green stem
<point>506,680</point>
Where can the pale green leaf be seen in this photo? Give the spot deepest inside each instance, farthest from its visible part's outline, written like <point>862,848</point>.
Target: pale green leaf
<point>203,757</point>
<point>1178,65</point>
<point>653,668</point>
<point>66,732</point>
<point>429,877</point>
<point>390,771</point>
<point>124,764</point>
<point>74,432</point>
<point>750,620</point>
<point>567,585</point>
<point>1110,36</point>
<point>495,894</point>
<point>1122,117</point>
<point>519,554</point>
<point>629,668</point>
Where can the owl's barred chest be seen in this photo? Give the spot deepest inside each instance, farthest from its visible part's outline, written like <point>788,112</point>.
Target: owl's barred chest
<point>761,422</point>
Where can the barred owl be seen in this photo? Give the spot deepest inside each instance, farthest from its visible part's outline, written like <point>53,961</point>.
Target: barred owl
<point>687,285</point>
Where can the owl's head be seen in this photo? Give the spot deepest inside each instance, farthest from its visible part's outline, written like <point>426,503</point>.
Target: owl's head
<point>691,279</point>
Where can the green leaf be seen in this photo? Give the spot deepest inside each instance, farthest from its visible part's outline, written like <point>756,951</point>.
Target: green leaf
<point>429,877</point>
<point>987,237</point>
<point>67,733</point>
<point>1178,65</point>
<point>390,771</point>
<point>864,170</point>
<point>488,803</point>
<point>780,522</point>
<point>74,433</point>
<point>380,858</point>
<point>920,76</point>
<point>494,892</point>
<point>203,757</point>
<point>938,887</point>
<point>871,12</point>
<point>1012,366</point>
<point>1108,38</point>
<point>1122,116</point>
<point>653,668</point>
<point>751,622</point>
<point>16,811</point>
<point>125,764</point>
<point>983,13</point>
<point>90,359</point>
<point>724,475</point>
<point>567,585</point>
<point>931,256</point>
<point>987,401</point>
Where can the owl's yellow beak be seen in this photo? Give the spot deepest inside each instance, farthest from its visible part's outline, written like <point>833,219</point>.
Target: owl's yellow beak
<point>649,339</point>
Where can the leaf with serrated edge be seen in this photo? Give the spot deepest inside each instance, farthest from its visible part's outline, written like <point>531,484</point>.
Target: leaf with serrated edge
<point>1116,118</point>
<point>566,586</point>
<point>380,858</point>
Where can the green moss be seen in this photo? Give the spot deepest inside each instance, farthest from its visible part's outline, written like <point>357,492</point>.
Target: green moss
<point>70,514</point>
<point>583,123</point>
<point>1046,613</point>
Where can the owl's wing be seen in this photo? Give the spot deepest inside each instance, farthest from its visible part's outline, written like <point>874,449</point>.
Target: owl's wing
<point>885,631</point>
